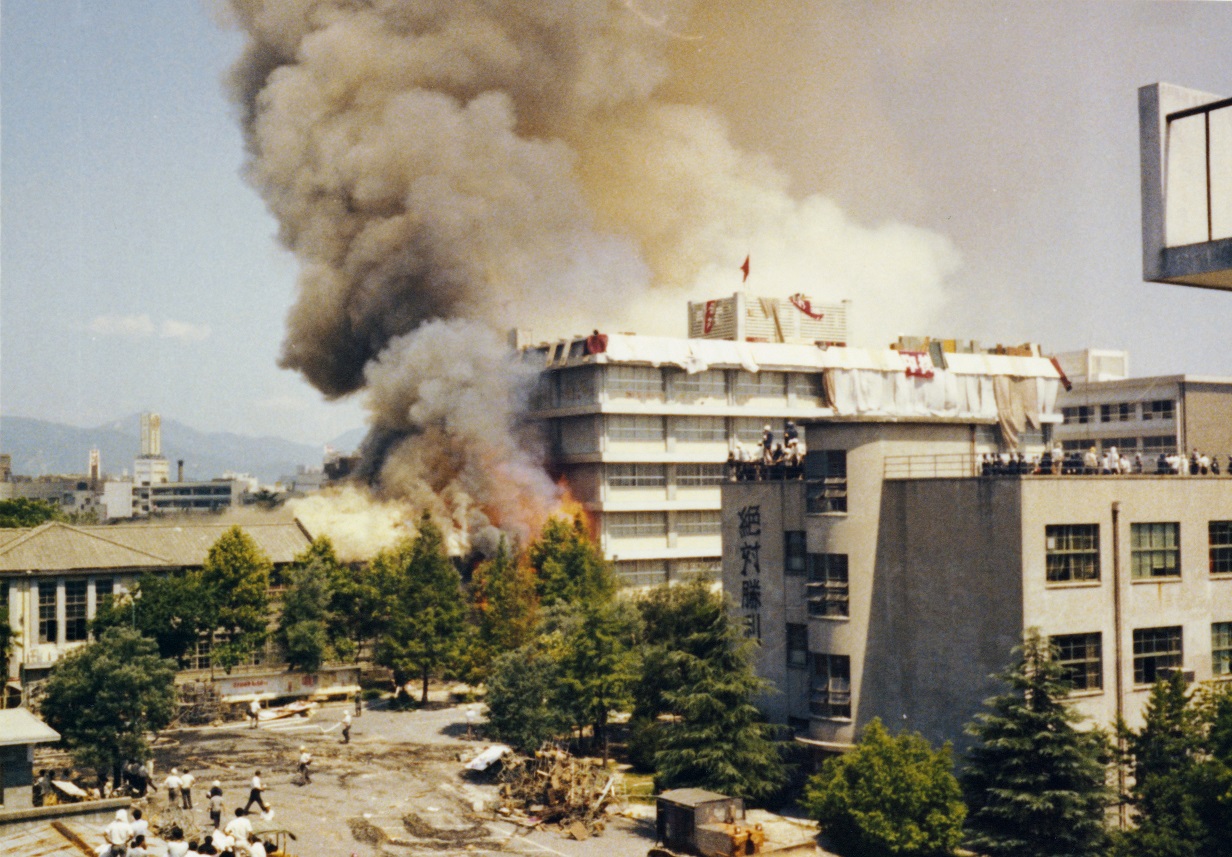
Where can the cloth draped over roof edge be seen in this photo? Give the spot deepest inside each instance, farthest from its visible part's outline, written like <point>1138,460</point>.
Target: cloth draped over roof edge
<point>1013,391</point>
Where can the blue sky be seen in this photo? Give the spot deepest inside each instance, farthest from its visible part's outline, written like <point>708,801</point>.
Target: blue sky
<point>140,272</point>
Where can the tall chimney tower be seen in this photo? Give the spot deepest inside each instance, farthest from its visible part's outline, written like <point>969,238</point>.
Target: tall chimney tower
<point>96,465</point>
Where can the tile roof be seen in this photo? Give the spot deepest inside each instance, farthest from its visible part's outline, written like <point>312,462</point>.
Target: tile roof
<point>55,546</point>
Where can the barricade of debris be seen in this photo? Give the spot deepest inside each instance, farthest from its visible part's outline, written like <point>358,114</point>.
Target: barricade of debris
<point>555,788</point>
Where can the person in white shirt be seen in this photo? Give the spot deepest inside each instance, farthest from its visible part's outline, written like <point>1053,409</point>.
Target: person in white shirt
<point>254,795</point>
<point>256,848</point>
<point>172,784</point>
<point>140,826</point>
<point>305,759</point>
<point>239,827</point>
<point>117,835</point>
<point>254,712</point>
<point>176,846</point>
<point>346,728</point>
<point>186,784</point>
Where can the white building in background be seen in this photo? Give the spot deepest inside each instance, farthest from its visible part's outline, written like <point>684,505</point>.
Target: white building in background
<point>641,427</point>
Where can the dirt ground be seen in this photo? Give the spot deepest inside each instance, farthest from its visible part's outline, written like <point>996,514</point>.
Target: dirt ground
<point>398,788</point>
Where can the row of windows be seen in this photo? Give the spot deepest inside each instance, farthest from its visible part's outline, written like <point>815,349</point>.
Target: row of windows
<point>1072,551</point>
<point>76,609</point>
<point>647,383</point>
<point>652,572</point>
<point>825,475</point>
<point>1149,446</point>
<point>656,475</point>
<point>654,428</point>
<point>1120,412</point>
<point>1155,652</point>
<point>654,524</point>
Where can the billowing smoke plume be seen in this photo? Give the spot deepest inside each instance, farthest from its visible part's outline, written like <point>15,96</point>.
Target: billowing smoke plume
<point>446,170</point>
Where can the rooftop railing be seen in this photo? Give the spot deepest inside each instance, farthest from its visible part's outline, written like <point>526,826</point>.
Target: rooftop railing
<point>961,466</point>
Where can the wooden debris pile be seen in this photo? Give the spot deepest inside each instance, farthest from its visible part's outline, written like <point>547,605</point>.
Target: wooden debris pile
<point>555,788</point>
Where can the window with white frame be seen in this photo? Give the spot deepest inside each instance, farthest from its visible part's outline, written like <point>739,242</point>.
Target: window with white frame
<point>1159,409</point>
<point>1082,658</point>
<point>1156,443</point>
<point>697,569</point>
<point>700,475</point>
<point>623,525</point>
<point>710,384</point>
<point>827,590</point>
<point>760,385</point>
<point>1221,649</point>
<point>635,382</point>
<point>641,572</point>
<point>637,475</point>
<point>48,628</point>
<point>1156,650</point>
<point>699,429</point>
<point>1119,412</point>
<point>76,602</point>
<point>1155,550</point>
<point>797,645</point>
<point>1072,552</point>
<point>698,523</point>
<point>1079,415</point>
<point>748,430</point>
<point>635,427</point>
<point>1220,535</point>
<point>830,694</point>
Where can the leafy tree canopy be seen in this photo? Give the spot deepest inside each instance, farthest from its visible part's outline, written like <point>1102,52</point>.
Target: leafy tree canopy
<point>524,699</point>
<point>108,696</point>
<point>25,512</point>
<point>172,610</point>
<point>892,796</point>
<point>421,606</point>
<point>235,578</point>
<point>1036,785</point>
<point>569,565</point>
<point>504,608</point>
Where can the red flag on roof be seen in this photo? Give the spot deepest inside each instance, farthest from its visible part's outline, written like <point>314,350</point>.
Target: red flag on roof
<point>745,268</point>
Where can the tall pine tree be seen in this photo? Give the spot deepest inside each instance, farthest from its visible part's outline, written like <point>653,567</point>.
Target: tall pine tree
<point>504,607</point>
<point>1036,786</point>
<point>1165,757</point>
<point>422,607</point>
<point>701,676</point>
<point>235,579</point>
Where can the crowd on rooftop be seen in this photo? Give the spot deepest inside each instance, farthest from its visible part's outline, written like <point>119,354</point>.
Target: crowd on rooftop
<point>769,459</point>
<point>1111,462</point>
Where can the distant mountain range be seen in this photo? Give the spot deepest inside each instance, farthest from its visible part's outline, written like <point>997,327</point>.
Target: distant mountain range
<point>41,448</point>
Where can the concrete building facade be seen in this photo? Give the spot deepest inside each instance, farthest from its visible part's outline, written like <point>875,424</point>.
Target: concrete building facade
<point>641,428</point>
<point>877,591</point>
<point>1152,415</point>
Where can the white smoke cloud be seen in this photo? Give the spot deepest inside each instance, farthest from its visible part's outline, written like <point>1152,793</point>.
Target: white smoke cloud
<point>125,326</point>
<point>184,331</point>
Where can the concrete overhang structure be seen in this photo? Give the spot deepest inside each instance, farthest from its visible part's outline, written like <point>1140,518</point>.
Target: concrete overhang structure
<point>1186,146</point>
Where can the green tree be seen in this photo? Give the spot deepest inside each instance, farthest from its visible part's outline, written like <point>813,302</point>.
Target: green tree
<point>303,624</point>
<point>422,607</point>
<point>504,607</point>
<point>235,579</point>
<point>1177,786</point>
<point>24,512</point>
<point>891,795</point>
<point>172,610</point>
<point>713,736</point>
<point>1214,775</point>
<point>524,699</point>
<point>1035,785</point>
<point>568,564</point>
<point>8,637</point>
<point>597,662</point>
<point>108,696</point>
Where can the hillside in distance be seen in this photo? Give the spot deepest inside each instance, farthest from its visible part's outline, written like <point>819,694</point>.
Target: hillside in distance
<point>41,448</point>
